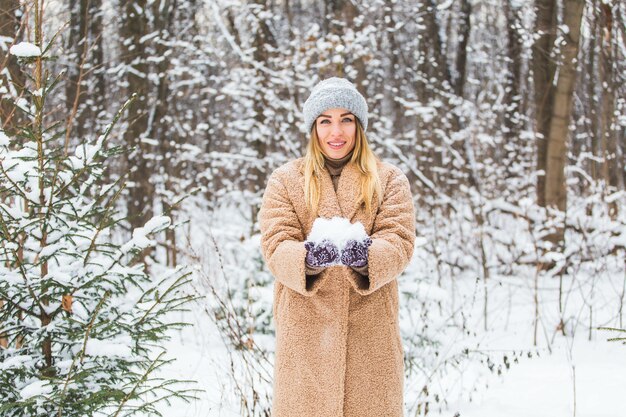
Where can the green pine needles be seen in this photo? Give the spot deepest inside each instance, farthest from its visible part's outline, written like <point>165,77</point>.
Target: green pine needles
<point>620,334</point>
<point>82,323</point>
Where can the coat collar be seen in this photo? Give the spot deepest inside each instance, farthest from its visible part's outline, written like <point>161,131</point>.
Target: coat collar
<point>344,202</point>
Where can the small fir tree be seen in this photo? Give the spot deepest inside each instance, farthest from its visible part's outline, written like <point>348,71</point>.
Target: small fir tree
<point>82,322</point>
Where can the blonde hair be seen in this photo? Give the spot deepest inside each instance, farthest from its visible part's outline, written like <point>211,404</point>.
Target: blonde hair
<point>362,157</point>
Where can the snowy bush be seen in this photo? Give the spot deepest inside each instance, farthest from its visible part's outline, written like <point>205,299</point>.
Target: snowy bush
<point>82,319</point>
<point>239,302</point>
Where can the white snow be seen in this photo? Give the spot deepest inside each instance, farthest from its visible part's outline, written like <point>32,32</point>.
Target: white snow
<point>157,223</point>
<point>4,139</point>
<point>35,388</point>
<point>338,230</point>
<point>14,362</point>
<point>25,49</point>
<point>450,307</point>
<point>117,347</point>
<point>140,238</point>
<point>587,377</point>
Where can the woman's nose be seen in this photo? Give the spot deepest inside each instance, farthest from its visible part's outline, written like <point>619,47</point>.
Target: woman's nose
<point>336,127</point>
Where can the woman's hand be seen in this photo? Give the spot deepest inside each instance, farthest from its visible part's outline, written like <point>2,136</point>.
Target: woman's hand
<point>324,253</point>
<point>355,252</point>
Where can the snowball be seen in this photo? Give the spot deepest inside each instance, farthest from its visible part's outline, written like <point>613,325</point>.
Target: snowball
<point>25,49</point>
<point>338,230</point>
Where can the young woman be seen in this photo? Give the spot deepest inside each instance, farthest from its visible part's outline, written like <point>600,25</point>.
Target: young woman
<point>338,346</point>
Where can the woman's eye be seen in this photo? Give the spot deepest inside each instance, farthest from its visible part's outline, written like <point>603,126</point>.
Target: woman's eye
<point>345,119</point>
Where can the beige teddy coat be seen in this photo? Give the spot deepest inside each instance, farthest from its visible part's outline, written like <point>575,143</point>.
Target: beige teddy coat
<point>338,346</point>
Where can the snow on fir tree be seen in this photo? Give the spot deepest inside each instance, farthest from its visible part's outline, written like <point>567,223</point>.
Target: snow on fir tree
<point>81,320</point>
<point>25,50</point>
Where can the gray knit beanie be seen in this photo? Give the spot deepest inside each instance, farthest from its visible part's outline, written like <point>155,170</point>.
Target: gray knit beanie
<point>333,93</point>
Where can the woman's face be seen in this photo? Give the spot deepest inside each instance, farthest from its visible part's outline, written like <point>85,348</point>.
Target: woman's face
<point>336,132</point>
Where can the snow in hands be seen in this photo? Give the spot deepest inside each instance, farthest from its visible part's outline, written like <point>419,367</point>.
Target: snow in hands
<point>338,230</point>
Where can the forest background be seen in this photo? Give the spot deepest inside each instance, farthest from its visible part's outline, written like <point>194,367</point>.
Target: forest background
<point>508,117</point>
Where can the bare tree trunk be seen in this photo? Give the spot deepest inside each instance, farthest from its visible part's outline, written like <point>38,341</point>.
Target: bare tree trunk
<point>543,74</point>
<point>619,75</point>
<point>348,12</point>
<point>432,65</point>
<point>164,13</point>
<point>263,38</point>
<point>75,85</point>
<point>13,78</point>
<point>611,167</point>
<point>589,77</point>
<point>141,190</point>
<point>555,191</point>
<point>461,57</point>
<point>394,59</point>
<point>439,68</point>
<point>512,90</point>
<point>514,74</point>
<point>263,41</point>
<point>99,95</point>
<point>340,15</point>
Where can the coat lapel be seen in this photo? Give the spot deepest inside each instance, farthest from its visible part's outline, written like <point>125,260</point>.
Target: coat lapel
<point>344,202</point>
<point>329,204</point>
<point>348,190</point>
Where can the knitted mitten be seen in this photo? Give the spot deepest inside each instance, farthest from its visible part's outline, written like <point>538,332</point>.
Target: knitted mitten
<point>324,253</point>
<point>355,252</point>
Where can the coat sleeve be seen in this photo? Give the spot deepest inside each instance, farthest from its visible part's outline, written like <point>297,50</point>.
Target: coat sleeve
<point>393,237</point>
<point>282,240</point>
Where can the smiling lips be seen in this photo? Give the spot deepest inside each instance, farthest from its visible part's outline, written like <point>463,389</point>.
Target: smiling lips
<point>336,145</point>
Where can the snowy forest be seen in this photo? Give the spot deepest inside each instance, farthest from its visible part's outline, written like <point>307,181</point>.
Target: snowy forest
<point>136,140</point>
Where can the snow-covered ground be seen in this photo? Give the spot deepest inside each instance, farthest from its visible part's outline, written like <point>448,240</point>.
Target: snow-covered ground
<point>581,374</point>
<point>579,378</point>
<point>582,378</point>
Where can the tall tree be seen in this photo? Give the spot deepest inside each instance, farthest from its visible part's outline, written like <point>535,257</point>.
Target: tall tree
<point>589,80</point>
<point>543,68</point>
<point>461,57</point>
<point>162,126</point>
<point>263,43</point>
<point>560,113</point>
<point>344,18</point>
<point>12,78</point>
<point>391,87</point>
<point>11,81</point>
<point>85,91</point>
<point>609,146</point>
<point>553,98</point>
<point>78,43</point>
<point>513,114</point>
<point>514,73</point>
<point>135,26</point>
